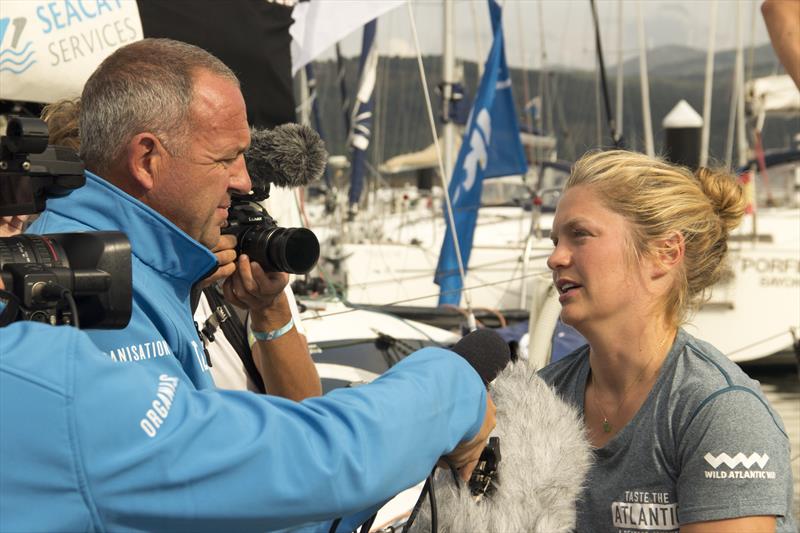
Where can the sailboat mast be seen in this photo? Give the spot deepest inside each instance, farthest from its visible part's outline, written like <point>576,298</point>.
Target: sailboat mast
<point>448,69</point>
<point>706,132</point>
<point>645,84</point>
<point>741,129</point>
<point>736,117</point>
<point>620,67</point>
<point>545,105</point>
<point>526,92</point>
<point>304,107</point>
<point>615,137</point>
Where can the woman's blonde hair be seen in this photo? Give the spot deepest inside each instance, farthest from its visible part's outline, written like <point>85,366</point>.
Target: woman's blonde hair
<point>659,200</point>
<point>62,122</point>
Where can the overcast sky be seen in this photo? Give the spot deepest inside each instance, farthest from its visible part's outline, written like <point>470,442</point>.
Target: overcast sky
<point>568,30</point>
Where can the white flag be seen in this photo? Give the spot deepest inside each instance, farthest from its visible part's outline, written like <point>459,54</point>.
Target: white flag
<point>319,24</point>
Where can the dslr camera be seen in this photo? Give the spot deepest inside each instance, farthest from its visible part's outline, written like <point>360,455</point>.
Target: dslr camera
<point>276,249</point>
<point>78,279</point>
<point>289,155</point>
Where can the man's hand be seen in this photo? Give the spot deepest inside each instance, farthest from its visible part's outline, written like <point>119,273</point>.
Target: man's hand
<point>252,288</point>
<point>284,363</point>
<point>466,455</point>
<point>12,225</point>
<point>226,258</point>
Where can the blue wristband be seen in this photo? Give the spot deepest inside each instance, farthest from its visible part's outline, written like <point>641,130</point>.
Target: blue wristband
<point>271,335</point>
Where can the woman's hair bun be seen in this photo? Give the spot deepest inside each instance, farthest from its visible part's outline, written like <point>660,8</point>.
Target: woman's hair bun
<point>725,194</point>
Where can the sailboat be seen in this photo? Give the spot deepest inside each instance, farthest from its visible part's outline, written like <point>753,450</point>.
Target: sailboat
<point>391,252</point>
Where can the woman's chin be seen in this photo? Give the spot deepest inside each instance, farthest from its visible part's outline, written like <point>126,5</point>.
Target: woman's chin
<point>570,319</point>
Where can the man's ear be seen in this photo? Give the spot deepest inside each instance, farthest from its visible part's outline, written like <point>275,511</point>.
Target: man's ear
<point>144,157</point>
<point>669,253</point>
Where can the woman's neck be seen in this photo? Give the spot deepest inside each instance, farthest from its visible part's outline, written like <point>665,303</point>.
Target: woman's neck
<point>634,352</point>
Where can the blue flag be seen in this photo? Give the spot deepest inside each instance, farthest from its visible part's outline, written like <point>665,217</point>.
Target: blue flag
<point>491,147</point>
<point>362,113</point>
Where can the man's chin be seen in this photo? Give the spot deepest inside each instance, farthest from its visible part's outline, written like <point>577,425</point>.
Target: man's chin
<point>210,238</point>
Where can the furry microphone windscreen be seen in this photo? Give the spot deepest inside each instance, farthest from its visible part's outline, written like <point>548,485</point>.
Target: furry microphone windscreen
<point>545,457</point>
<point>289,155</point>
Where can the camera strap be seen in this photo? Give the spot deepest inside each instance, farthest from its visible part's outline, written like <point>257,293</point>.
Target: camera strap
<point>231,320</point>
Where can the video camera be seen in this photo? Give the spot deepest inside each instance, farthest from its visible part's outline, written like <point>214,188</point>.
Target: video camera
<point>79,279</point>
<point>290,155</point>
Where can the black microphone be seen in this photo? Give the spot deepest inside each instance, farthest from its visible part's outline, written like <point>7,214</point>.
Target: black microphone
<point>289,155</point>
<point>485,351</point>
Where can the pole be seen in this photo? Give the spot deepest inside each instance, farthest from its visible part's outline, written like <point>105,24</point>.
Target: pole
<point>471,322</point>
<point>602,67</point>
<point>448,67</point>
<point>706,133</point>
<point>645,84</point>
<point>620,67</point>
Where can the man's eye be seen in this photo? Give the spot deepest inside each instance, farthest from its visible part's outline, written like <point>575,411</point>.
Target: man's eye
<point>577,232</point>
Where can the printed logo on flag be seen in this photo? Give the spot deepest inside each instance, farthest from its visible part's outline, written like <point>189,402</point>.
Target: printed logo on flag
<point>491,148</point>
<point>477,155</point>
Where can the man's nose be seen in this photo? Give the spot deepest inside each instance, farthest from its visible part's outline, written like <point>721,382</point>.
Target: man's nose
<point>240,178</point>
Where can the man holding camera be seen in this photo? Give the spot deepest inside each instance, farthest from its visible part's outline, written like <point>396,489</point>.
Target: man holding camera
<point>163,130</point>
<point>89,441</point>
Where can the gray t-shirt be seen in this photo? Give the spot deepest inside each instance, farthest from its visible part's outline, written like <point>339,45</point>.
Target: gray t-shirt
<point>705,445</point>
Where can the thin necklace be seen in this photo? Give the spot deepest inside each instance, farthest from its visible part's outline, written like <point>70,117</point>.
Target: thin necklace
<point>607,428</point>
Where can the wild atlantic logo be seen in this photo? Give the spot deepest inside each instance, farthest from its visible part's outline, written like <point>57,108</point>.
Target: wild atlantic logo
<point>740,466</point>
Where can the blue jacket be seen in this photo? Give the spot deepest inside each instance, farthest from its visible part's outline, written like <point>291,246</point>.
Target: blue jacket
<point>89,444</point>
<point>166,263</point>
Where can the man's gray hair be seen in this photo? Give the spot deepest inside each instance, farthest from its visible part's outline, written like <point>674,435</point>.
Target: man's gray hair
<point>144,86</point>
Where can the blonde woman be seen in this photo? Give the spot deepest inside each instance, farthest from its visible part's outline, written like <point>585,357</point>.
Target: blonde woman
<point>683,439</point>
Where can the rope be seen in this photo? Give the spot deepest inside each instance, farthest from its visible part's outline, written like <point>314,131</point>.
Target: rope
<point>446,192</point>
<point>323,315</point>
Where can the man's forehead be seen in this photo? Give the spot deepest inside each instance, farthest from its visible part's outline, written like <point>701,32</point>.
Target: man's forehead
<point>212,93</point>
<point>218,105</point>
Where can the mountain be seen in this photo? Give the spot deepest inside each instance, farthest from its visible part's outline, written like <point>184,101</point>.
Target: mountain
<point>664,59</point>
<point>675,73</point>
<point>685,62</point>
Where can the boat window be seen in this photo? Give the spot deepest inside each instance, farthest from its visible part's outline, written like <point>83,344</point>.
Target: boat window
<point>503,193</point>
<point>551,182</point>
<point>780,186</point>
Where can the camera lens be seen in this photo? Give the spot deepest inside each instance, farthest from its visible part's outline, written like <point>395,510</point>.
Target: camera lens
<point>32,249</point>
<point>94,266</point>
<point>292,250</point>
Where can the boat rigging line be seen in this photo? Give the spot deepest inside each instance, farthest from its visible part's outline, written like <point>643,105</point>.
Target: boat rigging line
<point>451,220</point>
<point>407,300</point>
<point>615,136</point>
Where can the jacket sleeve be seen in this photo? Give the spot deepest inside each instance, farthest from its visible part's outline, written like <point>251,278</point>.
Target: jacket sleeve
<point>159,455</point>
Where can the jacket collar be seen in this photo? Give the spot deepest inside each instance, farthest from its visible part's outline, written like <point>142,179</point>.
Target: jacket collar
<point>155,240</point>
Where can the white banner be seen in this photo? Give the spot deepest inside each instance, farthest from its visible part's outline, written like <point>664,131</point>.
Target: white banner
<point>319,24</point>
<point>49,48</point>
